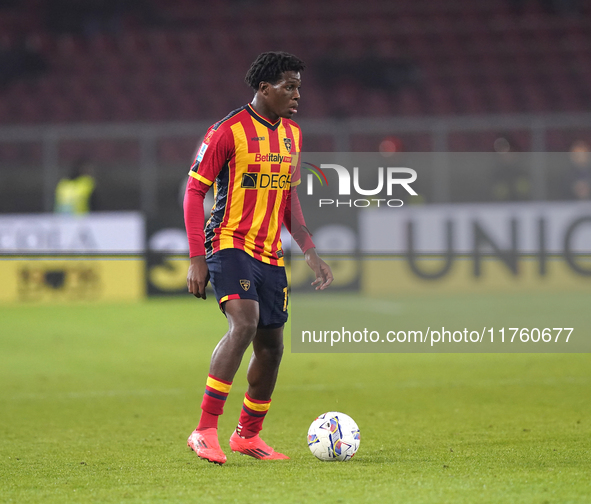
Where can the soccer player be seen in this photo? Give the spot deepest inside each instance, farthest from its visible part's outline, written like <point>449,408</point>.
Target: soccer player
<point>251,157</point>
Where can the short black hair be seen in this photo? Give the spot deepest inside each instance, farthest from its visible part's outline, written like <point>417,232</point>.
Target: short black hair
<point>269,66</point>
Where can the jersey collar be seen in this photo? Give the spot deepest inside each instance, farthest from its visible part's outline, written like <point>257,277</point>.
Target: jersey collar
<point>261,119</point>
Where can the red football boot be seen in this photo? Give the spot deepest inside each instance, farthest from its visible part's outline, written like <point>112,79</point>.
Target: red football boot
<point>206,445</point>
<point>254,447</point>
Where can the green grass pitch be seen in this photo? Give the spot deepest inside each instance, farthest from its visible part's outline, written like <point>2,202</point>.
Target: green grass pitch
<point>96,403</point>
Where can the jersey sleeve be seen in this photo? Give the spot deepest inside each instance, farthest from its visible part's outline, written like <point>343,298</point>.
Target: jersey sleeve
<point>293,218</point>
<point>215,150</point>
<point>195,216</point>
<point>296,177</point>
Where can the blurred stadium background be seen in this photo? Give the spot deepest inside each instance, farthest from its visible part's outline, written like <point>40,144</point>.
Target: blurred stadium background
<point>132,86</point>
<point>436,75</point>
<point>98,398</point>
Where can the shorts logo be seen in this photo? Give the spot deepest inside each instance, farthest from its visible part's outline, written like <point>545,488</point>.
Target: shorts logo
<point>287,142</point>
<point>245,284</point>
<point>249,180</point>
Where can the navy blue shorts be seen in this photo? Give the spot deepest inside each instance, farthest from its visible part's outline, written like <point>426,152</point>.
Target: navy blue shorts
<point>237,275</point>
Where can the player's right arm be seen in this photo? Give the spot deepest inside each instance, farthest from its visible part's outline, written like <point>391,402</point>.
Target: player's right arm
<point>198,274</point>
<point>215,151</point>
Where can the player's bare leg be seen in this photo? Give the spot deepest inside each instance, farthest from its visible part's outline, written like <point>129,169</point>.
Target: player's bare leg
<point>262,376</point>
<point>243,316</point>
<point>264,363</point>
<point>243,319</point>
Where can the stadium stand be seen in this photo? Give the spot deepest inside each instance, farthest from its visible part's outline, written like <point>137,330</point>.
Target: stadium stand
<point>434,58</point>
<point>156,61</point>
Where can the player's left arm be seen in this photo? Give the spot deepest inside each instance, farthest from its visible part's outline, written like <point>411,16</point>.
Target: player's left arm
<point>214,152</point>
<point>293,219</point>
<point>296,225</point>
<point>322,270</point>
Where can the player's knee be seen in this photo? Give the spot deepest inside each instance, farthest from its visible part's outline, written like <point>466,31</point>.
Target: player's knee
<point>273,353</point>
<point>244,330</point>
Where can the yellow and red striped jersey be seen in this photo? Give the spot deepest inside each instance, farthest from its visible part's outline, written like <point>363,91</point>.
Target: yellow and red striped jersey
<point>252,164</point>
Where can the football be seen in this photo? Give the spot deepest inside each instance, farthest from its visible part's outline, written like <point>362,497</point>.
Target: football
<point>333,436</point>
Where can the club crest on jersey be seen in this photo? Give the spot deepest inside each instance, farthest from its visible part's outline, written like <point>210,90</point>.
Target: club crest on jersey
<point>245,284</point>
<point>287,142</point>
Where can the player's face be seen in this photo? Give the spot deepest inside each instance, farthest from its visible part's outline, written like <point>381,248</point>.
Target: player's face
<point>284,96</point>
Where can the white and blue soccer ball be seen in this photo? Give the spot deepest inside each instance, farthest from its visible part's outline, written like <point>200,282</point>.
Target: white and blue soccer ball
<point>333,436</point>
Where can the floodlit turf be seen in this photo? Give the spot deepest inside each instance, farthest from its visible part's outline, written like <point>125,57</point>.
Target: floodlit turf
<point>96,403</point>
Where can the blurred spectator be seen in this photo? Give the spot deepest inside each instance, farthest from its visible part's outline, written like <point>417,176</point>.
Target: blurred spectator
<point>390,145</point>
<point>510,180</point>
<point>346,75</point>
<point>20,61</point>
<point>579,179</point>
<point>563,7</point>
<point>560,7</point>
<point>101,16</point>
<point>90,17</point>
<point>369,71</point>
<point>75,194</point>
